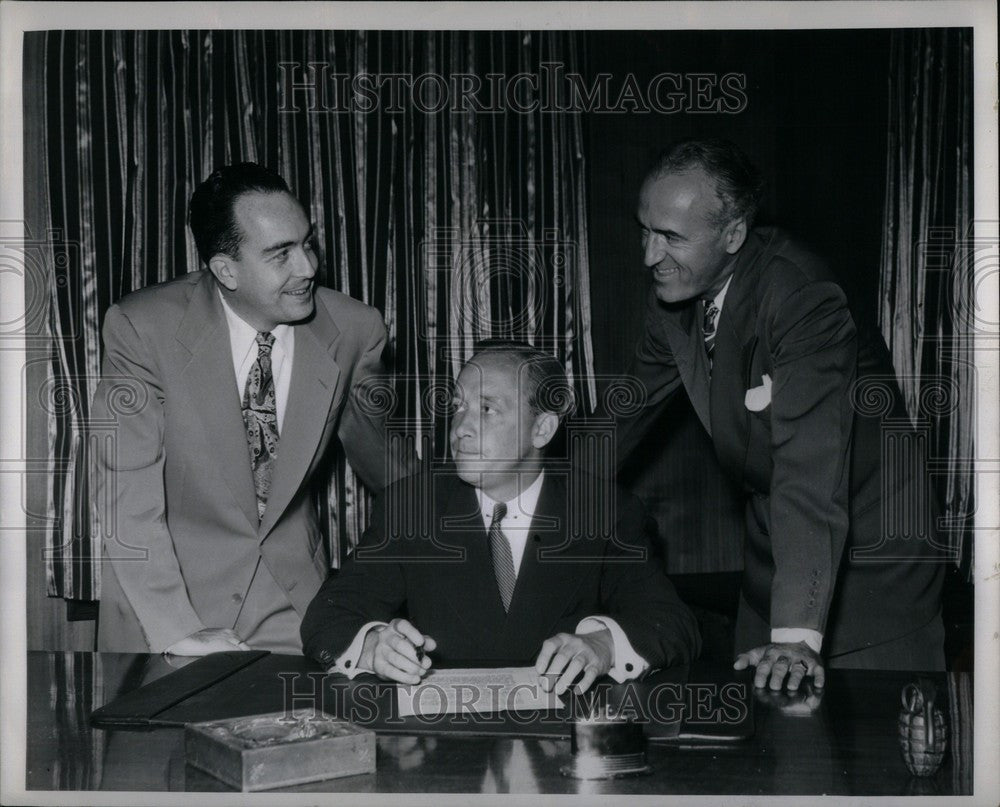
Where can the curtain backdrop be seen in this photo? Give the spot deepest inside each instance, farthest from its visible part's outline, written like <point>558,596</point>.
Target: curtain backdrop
<point>455,225</point>
<point>926,290</point>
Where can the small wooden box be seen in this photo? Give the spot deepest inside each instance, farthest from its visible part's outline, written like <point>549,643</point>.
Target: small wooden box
<point>261,752</point>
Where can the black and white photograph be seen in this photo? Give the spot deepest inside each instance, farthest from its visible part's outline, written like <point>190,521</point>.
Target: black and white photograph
<point>416,403</point>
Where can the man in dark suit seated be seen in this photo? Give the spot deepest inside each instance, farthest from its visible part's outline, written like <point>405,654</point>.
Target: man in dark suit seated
<point>485,562</point>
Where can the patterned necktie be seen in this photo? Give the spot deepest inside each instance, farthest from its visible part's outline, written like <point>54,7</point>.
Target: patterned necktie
<point>503,559</point>
<point>260,415</point>
<point>709,326</point>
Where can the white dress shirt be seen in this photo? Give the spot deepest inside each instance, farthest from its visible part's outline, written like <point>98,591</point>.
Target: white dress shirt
<point>516,525</point>
<point>243,341</point>
<point>811,637</point>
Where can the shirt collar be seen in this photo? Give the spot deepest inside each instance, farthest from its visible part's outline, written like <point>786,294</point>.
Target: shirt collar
<point>527,501</point>
<point>242,334</point>
<point>722,293</point>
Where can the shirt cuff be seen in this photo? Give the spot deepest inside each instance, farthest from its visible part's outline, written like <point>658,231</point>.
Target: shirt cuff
<point>813,638</point>
<point>347,662</point>
<point>627,663</point>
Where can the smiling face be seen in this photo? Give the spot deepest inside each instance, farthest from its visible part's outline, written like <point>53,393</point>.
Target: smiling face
<point>270,281</point>
<point>496,437</point>
<point>689,255</point>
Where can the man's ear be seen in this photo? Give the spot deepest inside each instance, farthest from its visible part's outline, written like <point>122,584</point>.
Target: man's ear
<point>544,429</point>
<point>736,234</point>
<point>221,266</point>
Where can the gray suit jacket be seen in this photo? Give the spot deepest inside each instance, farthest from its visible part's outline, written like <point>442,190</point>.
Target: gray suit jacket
<point>176,499</point>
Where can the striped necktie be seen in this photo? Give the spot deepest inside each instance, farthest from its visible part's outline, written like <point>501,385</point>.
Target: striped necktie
<point>709,327</point>
<point>503,559</point>
<point>260,416</point>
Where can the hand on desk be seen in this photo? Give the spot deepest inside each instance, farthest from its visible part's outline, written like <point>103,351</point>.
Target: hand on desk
<point>778,660</point>
<point>207,640</point>
<point>396,652</point>
<point>800,703</point>
<point>566,655</point>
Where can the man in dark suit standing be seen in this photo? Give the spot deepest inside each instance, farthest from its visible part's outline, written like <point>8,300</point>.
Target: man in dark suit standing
<point>484,562</point>
<point>241,376</point>
<point>759,335</point>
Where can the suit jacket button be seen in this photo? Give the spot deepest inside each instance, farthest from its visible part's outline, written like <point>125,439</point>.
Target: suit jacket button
<point>237,598</point>
<point>347,664</point>
<point>628,667</point>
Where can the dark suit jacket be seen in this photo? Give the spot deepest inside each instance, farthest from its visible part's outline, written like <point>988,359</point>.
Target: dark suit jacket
<point>176,495</point>
<point>811,462</point>
<point>426,556</point>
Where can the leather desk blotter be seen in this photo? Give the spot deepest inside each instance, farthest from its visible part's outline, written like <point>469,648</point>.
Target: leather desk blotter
<point>142,706</point>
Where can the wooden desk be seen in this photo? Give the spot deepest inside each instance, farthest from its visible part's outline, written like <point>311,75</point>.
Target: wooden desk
<point>843,743</point>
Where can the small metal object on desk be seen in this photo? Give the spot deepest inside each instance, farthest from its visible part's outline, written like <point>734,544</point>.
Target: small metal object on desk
<point>279,750</point>
<point>606,745</point>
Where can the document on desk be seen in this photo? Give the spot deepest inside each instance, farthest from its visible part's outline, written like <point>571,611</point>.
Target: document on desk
<point>475,691</point>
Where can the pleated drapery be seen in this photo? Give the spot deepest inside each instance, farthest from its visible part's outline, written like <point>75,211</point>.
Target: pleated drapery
<point>456,224</point>
<point>927,295</point>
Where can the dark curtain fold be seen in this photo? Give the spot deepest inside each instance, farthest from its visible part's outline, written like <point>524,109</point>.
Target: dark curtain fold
<point>927,297</point>
<point>455,224</point>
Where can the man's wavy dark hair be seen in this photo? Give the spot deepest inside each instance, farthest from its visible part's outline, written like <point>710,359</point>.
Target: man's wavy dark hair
<point>738,182</point>
<point>210,213</point>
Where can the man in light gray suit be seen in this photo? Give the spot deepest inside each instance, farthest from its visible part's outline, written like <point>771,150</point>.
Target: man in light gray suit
<point>244,376</point>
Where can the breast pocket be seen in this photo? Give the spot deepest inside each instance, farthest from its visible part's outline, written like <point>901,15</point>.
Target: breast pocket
<point>761,418</point>
<point>758,404</point>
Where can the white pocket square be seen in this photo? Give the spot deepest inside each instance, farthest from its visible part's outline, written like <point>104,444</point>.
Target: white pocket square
<point>759,398</point>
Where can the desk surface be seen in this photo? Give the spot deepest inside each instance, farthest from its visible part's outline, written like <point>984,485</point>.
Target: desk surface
<point>841,742</point>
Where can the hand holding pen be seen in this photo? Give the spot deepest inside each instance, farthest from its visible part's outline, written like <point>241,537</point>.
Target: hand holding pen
<point>398,652</point>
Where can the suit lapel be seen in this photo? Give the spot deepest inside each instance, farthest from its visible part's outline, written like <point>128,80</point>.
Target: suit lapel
<point>683,330</point>
<point>547,577</point>
<point>211,382</point>
<point>472,585</point>
<point>735,343</point>
<point>315,374</point>
<point>738,320</point>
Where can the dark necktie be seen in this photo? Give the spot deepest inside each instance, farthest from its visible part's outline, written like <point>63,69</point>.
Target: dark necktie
<point>709,327</point>
<point>503,560</point>
<point>260,415</point>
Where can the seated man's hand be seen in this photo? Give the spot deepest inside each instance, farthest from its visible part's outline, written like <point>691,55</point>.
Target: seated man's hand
<point>396,652</point>
<point>207,640</point>
<point>566,655</point>
<point>781,661</point>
